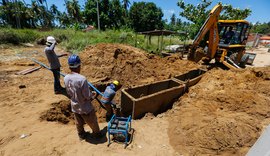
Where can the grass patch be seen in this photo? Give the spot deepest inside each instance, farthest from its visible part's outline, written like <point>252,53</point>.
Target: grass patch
<point>76,41</point>
<point>16,36</point>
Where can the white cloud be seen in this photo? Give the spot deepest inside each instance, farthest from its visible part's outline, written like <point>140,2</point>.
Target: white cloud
<point>170,11</point>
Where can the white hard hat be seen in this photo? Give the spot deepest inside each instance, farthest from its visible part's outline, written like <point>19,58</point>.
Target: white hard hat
<point>50,40</point>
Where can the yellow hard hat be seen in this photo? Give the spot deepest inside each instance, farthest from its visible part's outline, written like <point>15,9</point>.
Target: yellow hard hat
<point>115,82</point>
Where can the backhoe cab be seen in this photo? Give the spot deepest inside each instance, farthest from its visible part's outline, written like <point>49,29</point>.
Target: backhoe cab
<point>226,41</point>
<point>233,36</point>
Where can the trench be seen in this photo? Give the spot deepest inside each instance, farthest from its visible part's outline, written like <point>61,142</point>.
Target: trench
<point>157,97</point>
<point>153,98</point>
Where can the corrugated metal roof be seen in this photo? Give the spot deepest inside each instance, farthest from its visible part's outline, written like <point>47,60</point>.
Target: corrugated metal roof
<point>162,32</point>
<point>265,38</point>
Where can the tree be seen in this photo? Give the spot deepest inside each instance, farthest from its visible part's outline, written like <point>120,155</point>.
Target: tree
<point>198,14</point>
<point>230,13</point>
<point>126,4</point>
<point>173,19</point>
<point>145,16</point>
<point>110,11</point>
<point>73,10</point>
<point>115,14</point>
<point>261,28</point>
<point>90,12</point>
<point>16,14</point>
<point>56,14</point>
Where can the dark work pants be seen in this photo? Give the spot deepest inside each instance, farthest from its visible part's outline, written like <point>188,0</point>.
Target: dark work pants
<point>56,74</point>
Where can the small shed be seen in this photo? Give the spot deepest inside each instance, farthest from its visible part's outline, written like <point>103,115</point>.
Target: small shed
<point>160,34</point>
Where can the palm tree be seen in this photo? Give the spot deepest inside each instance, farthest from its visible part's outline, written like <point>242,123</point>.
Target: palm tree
<point>55,13</point>
<point>73,9</point>
<point>37,13</point>
<point>126,4</point>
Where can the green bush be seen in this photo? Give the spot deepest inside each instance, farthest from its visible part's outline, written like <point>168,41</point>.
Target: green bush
<point>16,36</point>
<point>76,41</point>
<point>7,36</point>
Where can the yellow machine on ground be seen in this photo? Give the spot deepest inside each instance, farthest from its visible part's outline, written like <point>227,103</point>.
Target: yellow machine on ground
<point>226,42</point>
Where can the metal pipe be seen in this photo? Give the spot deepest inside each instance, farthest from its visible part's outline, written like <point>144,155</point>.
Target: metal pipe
<point>231,61</point>
<point>62,74</point>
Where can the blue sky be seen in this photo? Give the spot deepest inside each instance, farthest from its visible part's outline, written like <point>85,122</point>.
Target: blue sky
<point>260,8</point>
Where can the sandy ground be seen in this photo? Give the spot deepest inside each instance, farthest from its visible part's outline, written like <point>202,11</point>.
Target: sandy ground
<point>262,58</point>
<point>180,131</point>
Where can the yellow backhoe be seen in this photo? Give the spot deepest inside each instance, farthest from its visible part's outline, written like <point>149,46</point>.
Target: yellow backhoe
<point>226,41</point>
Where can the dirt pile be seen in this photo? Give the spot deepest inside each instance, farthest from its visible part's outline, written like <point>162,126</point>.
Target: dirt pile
<point>223,114</point>
<point>104,63</point>
<point>129,65</point>
<point>60,111</point>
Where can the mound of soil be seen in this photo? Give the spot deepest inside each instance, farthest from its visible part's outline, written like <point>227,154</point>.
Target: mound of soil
<point>103,63</point>
<point>60,112</point>
<point>223,114</point>
<point>129,65</point>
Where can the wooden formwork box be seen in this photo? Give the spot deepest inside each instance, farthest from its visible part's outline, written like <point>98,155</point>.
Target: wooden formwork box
<point>154,98</point>
<point>190,78</point>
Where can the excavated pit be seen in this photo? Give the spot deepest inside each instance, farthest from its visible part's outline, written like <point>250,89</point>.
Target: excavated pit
<point>154,98</point>
<point>157,97</point>
<point>104,63</point>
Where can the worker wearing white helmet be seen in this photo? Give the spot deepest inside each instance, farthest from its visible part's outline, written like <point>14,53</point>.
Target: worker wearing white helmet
<point>107,98</point>
<point>54,63</point>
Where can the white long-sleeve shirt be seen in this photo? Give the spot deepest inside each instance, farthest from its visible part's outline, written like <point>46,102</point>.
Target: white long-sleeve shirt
<point>79,92</point>
<point>52,57</point>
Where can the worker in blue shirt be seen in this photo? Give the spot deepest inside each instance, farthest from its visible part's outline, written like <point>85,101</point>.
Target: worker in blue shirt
<point>107,98</point>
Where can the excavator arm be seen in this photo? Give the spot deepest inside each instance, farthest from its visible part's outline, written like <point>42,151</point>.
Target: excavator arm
<point>210,25</point>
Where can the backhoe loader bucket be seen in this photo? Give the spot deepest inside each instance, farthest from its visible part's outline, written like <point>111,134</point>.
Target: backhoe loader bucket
<point>196,54</point>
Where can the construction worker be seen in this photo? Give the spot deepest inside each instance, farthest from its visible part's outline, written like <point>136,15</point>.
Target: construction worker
<point>107,98</point>
<point>54,63</point>
<point>229,35</point>
<point>81,96</point>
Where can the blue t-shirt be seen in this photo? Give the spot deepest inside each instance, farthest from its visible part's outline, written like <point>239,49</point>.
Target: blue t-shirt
<point>109,94</point>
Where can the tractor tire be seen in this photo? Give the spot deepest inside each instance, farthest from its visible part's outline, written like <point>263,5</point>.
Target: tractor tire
<point>244,60</point>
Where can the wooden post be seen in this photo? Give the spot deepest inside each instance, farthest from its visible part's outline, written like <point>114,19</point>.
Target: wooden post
<point>147,40</point>
<point>135,39</point>
<point>158,43</point>
<point>161,42</point>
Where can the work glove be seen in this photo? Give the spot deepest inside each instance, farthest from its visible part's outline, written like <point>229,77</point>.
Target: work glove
<point>94,94</point>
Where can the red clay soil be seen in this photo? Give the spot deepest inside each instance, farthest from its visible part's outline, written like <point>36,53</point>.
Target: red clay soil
<point>223,114</point>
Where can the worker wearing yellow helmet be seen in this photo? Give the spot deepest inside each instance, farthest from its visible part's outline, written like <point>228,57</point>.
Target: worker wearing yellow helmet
<point>107,98</point>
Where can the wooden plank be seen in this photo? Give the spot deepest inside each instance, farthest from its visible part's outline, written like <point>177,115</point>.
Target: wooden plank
<point>27,71</point>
